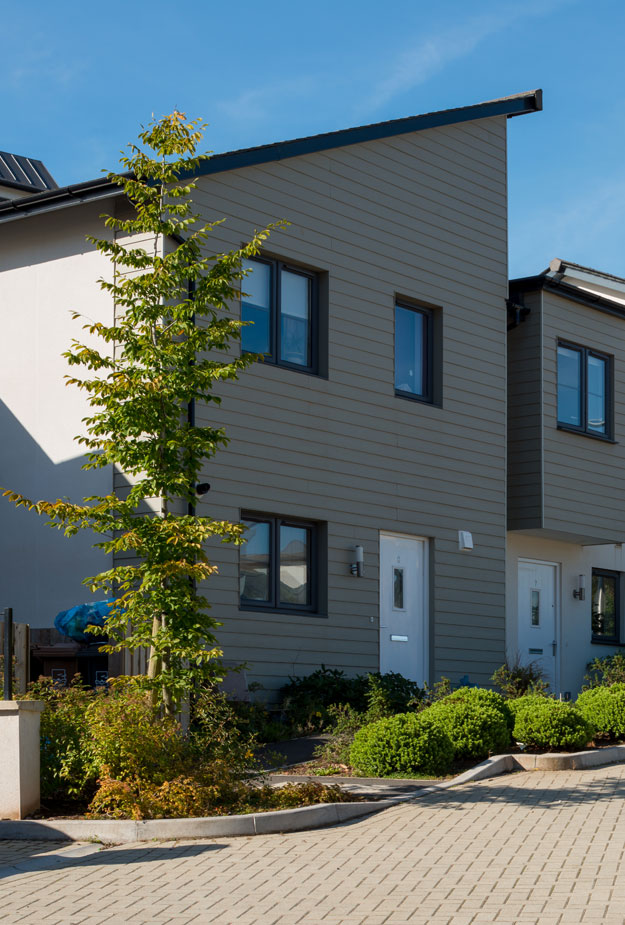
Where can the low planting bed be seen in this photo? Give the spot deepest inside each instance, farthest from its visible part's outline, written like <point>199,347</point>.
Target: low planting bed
<point>113,755</point>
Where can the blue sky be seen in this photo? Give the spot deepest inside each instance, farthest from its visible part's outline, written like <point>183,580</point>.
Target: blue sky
<point>79,79</point>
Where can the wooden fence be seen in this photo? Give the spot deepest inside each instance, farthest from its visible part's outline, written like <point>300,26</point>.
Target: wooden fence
<point>21,655</point>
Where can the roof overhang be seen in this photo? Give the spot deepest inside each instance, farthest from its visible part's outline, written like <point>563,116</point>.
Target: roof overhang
<point>564,286</point>
<point>517,105</point>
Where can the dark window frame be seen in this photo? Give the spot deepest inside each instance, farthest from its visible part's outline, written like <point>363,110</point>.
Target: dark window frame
<point>427,353</point>
<point>275,328</point>
<point>275,605</point>
<point>583,428</point>
<point>601,637</point>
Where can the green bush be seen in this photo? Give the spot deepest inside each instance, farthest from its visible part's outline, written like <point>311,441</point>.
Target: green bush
<point>67,767</point>
<point>606,671</point>
<point>476,726</point>
<point>390,693</point>
<point>345,723</point>
<point>118,735</point>
<point>542,722</point>
<point>305,701</point>
<point>604,708</point>
<point>481,695</point>
<point>516,680</point>
<point>405,743</point>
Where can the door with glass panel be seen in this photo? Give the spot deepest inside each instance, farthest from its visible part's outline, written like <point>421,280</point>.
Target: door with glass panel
<point>403,606</point>
<point>537,612</point>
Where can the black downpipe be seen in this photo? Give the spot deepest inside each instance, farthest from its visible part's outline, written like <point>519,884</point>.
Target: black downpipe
<point>8,653</point>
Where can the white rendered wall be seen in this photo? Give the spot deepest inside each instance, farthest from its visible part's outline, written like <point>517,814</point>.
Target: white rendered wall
<point>574,631</point>
<point>47,269</point>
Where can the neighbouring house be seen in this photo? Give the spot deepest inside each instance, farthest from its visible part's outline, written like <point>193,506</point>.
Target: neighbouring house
<point>566,457</point>
<point>369,453</point>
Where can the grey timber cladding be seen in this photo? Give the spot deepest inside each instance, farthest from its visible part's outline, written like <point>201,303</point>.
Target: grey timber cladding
<point>583,477</point>
<point>525,419</point>
<point>422,216</point>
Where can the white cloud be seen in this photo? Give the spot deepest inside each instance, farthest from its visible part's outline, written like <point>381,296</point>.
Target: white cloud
<point>258,103</point>
<point>429,55</point>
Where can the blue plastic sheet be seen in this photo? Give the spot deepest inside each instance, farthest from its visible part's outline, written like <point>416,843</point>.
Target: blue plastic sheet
<point>73,622</point>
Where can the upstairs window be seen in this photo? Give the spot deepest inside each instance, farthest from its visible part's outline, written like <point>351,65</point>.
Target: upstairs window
<point>413,352</point>
<point>281,300</point>
<point>584,390</point>
<point>605,605</point>
<point>278,564</point>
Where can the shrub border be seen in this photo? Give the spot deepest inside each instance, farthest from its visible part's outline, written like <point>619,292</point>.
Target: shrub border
<point>123,831</point>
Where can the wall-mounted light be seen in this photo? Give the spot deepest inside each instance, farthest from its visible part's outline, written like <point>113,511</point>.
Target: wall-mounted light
<point>357,566</point>
<point>465,541</point>
<point>580,591</point>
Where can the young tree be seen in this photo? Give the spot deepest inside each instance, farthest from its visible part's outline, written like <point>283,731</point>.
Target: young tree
<point>164,349</point>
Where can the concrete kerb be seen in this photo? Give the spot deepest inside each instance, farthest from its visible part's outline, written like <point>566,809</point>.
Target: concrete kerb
<point>123,831</point>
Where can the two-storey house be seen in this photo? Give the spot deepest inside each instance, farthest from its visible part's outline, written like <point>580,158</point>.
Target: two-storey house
<point>566,459</point>
<point>368,451</point>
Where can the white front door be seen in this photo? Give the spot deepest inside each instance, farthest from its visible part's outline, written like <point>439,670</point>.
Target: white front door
<point>536,616</point>
<point>403,606</point>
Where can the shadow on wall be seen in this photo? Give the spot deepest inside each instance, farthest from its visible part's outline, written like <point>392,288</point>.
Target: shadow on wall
<point>41,570</point>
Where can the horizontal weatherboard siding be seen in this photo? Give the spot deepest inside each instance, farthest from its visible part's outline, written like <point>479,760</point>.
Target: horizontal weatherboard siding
<point>421,217</point>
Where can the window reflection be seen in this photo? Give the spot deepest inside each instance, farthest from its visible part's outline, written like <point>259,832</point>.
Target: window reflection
<point>596,394</point>
<point>294,568</point>
<point>604,606</point>
<point>254,562</point>
<point>569,386</point>
<point>294,318</point>
<point>256,307</point>
<point>410,347</point>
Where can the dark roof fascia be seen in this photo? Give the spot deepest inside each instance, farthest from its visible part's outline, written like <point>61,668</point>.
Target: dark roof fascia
<point>509,106</point>
<point>601,304</point>
<point>13,184</point>
<point>65,195</point>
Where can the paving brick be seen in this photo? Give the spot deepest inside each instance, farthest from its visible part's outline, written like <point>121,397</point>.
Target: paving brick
<point>534,847</point>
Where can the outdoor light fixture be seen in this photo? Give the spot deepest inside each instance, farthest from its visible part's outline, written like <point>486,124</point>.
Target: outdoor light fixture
<point>465,541</point>
<point>357,566</point>
<point>202,488</point>
<point>580,591</point>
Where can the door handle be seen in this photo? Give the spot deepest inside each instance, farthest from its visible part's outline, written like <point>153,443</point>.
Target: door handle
<point>553,647</point>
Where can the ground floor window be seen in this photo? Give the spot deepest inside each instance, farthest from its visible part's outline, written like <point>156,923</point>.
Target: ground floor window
<point>278,563</point>
<point>605,605</point>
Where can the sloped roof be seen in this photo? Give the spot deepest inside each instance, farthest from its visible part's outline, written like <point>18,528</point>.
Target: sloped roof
<point>593,288</point>
<point>508,106</point>
<point>24,173</point>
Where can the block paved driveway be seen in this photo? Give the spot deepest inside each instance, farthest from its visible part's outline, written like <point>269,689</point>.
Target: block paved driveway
<point>530,847</point>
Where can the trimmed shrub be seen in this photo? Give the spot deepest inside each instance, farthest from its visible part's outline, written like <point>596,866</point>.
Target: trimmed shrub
<point>604,708</point>
<point>406,743</point>
<point>484,696</point>
<point>476,726</point>
<point>542,722</point>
